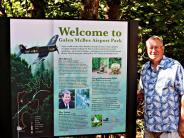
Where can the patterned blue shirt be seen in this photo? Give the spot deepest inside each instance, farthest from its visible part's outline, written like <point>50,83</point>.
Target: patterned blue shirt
<point>162,90</point>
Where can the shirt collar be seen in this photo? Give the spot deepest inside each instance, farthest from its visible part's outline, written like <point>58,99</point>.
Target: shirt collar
<point>162,62</point>
<point>161,65</point>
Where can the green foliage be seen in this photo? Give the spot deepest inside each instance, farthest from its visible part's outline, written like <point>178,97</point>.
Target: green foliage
<point>63,9</point>
<point>96,63</point>
<point>42,79</point>
<point>163,18</point>
<point>17,8</point>
<point>20,74</point>
<point>51,8</point>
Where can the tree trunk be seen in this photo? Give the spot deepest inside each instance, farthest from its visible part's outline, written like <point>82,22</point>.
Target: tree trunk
<point>113,10</point>
<point>89,9</point>
<point>38,11</point>
<point>2,10</point>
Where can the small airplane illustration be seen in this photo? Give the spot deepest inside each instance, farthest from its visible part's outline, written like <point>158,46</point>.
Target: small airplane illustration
<point>42,51</point>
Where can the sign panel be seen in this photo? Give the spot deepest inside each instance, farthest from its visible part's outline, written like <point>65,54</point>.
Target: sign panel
<point>92,66</point>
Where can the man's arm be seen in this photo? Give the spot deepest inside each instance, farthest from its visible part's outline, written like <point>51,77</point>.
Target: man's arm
<point>182,107</point>
<point>181,122</point>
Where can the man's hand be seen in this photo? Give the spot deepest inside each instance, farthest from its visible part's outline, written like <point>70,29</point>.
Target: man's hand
<point>181,129</point>
<point>181,123</point>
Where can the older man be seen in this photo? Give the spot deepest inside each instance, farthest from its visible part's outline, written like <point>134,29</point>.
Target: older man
<point>162,84</point>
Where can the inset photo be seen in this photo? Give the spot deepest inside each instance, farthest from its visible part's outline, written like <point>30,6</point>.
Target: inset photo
<point>82,98</point>
<point>96,120</point>
<point>100,65</point>
<point>114,66</point>
<point>67,99</point>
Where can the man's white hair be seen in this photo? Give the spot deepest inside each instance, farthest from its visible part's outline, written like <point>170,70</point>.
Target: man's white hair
<point>154,37</point>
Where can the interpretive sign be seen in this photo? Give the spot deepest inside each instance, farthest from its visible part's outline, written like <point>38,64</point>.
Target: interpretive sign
<point>68,77</point>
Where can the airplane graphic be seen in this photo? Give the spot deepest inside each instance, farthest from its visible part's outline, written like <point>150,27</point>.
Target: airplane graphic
<point>42,51</point>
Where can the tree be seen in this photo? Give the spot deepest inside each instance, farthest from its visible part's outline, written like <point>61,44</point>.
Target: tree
<point>39,8</point>
<point>2,9</point>
<point>89,9</point>
<point>20,74</point>
<point>113,10</point>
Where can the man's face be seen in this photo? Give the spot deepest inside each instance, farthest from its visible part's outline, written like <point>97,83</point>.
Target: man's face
<point>155,50</point>
<point>66,98</point>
